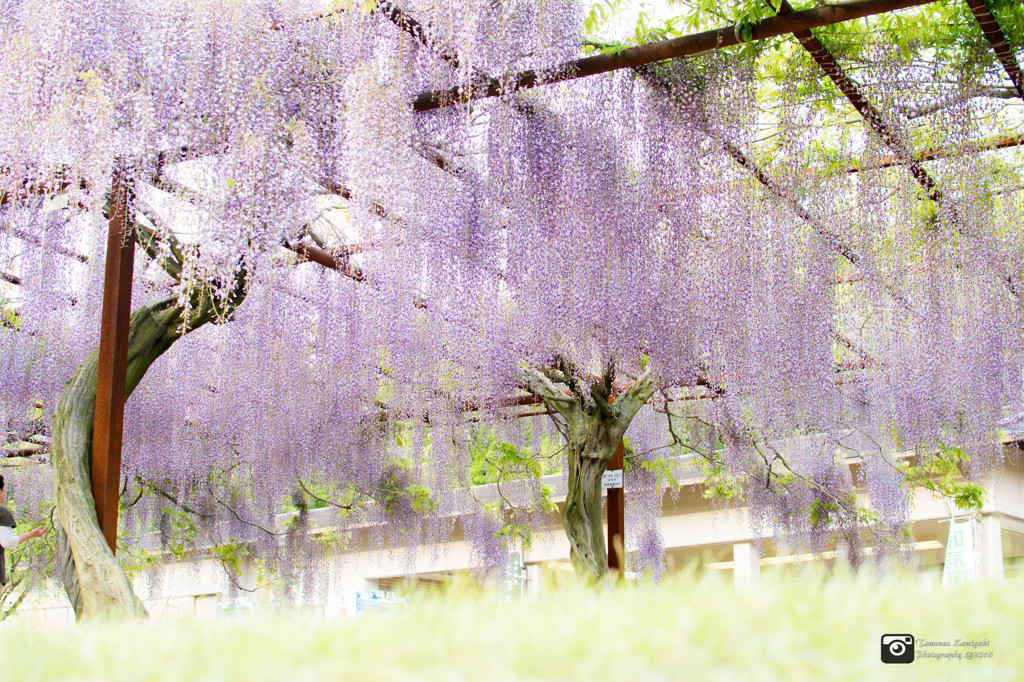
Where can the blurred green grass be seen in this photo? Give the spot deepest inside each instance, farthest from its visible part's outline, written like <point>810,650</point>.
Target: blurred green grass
<point>807,628</point>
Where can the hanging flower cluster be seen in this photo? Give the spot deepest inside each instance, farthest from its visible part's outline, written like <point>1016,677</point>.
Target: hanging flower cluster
<point>682,217</point>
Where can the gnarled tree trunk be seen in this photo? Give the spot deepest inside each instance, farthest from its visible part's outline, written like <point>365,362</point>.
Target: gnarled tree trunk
<point>92,577</point>
<point>595,429</point>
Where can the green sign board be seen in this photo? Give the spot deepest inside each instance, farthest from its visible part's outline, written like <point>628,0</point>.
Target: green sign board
<point>961,557</point>
<point>511,584</point>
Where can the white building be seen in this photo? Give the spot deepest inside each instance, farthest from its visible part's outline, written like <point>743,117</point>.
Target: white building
<point>693,532</point>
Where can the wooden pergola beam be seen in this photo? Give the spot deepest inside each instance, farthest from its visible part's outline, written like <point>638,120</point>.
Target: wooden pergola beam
<point>339,263</point>
<point>26,451</point>
<point>40,188</point>
<point>935,154</point>
<point>892,137</point>
<point>889,135</point>
<point>1000,45</point>
<point>833,240</point>
<point>665,49</point>
<point>57,248</point>
<point>415,29</point>
<point>828,236</point>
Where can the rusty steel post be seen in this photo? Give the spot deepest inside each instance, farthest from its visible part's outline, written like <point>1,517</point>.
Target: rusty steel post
<point>617,519</point>
<point>108,421</point>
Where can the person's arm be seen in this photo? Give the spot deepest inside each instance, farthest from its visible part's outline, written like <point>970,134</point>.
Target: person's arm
<point>34,533</point>
<point>8,539</point>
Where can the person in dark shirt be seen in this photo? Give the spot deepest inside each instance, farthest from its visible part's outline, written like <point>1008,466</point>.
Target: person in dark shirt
<point>8,538</point>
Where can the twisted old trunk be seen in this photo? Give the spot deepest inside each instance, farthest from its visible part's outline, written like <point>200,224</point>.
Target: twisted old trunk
<point>595,429</point>
<point>92,577</point>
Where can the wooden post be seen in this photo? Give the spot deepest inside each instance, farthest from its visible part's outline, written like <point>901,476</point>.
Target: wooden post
<point>616,518</point>
<point>108,422</point>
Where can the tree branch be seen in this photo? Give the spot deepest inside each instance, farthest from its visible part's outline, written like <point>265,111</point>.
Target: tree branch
<point>246,521</point>
<point>320,499</point>
<point>184,507</point>
<point>634,397</point>
<point>567,406</point>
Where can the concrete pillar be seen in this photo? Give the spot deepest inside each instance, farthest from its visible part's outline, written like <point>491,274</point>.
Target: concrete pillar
<point>345,583</point>
<point>746,565</point>
<point>533,581</point>
<point>248,577</point>
<point>991,546</point>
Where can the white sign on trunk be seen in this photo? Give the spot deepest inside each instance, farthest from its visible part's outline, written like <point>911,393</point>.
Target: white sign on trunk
<point>611,478</point>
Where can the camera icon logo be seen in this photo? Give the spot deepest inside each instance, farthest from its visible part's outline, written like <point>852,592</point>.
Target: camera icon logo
<point>897,648</point>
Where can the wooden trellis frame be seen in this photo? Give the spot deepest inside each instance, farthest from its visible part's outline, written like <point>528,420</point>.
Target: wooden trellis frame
<point>1000,45</point>
<point>108,455</point>
<point>117,284</point>
<point>696,43</point>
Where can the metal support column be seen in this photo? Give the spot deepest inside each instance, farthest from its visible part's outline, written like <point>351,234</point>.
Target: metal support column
<point>108,422</point>
<point>617,519</point>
